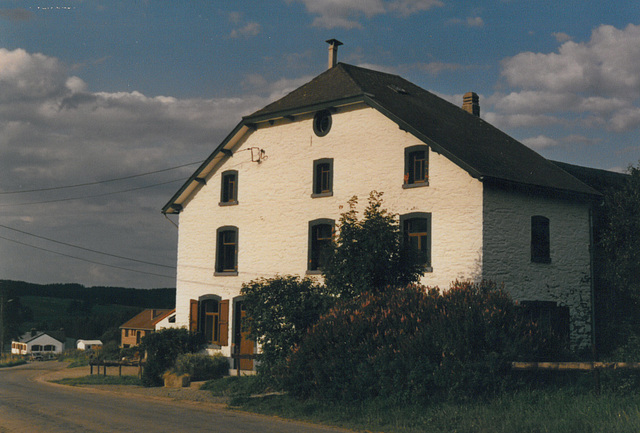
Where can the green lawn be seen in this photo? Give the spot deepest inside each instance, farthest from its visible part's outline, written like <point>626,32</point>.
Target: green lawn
<point>557,410</point>
<point>96,379</point>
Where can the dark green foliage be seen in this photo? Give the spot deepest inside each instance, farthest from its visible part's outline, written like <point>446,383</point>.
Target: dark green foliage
<point>200,366</point>
<point>368,254</point>
<point>416,344</point>
<point>158,298</point>
<point>279,312</point>
<point>618,290</point>
<point>163,348</point>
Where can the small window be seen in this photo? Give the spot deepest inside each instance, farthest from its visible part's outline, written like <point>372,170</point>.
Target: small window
<point>320,239</point>
<point>229,193</point>
<point>416,166</point>
<point>540,242</point>
<point>416,230</point>
<point>322,178</point>
<point>322,123</point>
<point>227,250</point>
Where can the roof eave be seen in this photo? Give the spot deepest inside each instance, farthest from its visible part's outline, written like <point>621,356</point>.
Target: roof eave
<point>175,204</point>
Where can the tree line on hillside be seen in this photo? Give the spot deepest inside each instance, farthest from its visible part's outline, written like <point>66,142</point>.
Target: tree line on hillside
<point>84,313</point>
<point>158,298</point>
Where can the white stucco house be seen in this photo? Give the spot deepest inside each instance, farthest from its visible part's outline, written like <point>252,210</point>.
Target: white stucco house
<point>88,344</point>
<point>475,202</point>
<point>38,343</point>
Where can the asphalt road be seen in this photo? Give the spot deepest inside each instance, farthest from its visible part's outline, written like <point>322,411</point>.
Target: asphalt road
<point>29,405</point>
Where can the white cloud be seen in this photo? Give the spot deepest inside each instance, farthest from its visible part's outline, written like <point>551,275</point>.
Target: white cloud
<point>347,13</point>
<point>248,30</point>
<point>540,142</point>
<point>607,65</point>
<point>55,131</point>
<point>561,37</point>
<point>595,83</point>
<point>475,22</point>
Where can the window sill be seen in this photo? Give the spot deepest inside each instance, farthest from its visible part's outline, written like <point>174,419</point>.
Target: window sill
<point>541,261</point>
<point>313,272</point>
<point>226,274</point>
<point>322,194</point>
<point>414,185</point>
<point>228,203</point>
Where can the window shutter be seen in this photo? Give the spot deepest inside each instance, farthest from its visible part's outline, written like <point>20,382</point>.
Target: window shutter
<point>224,323</point>
<point>193,315</point>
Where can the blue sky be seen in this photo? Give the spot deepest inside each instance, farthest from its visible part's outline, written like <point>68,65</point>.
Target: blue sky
<point>101,90</point>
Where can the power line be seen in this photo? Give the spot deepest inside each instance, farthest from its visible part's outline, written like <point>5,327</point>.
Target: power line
<point>86,260</point>
<point>86,249</point>
<point>92,195</point>
<point>53,188</point>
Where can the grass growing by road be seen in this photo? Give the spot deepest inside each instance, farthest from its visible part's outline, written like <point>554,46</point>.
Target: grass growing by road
<point>557,410</point>
<point>11,361</point>
<point>96,379</point>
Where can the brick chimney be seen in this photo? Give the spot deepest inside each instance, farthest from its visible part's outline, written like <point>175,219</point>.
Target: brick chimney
<point>333,52</point>
<point>471,103</point>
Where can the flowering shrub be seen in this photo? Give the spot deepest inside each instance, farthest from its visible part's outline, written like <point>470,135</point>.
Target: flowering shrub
<point>416,343</point>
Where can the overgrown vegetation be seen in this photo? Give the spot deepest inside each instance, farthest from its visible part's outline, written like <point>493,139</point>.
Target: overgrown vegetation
<point>368,254</point>
<point>280,310</point>
<point>417,344</point>
<point>618,289</point>
<point>96,379</point>
<point>11,361</point>
<point>201,366</point>
<point>163,348</point>
<point>558,410</point>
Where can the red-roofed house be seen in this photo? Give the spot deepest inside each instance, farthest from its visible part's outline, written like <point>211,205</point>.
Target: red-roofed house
<point>141,325</point>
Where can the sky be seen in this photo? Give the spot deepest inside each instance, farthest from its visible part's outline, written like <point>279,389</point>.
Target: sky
<point>107,106</point>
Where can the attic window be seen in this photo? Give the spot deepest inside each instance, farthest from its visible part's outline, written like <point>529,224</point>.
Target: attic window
<point>322,123</point>
<point>398,89</point>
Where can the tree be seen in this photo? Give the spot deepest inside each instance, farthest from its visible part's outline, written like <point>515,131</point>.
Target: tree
<point>369,255</point>
<point>279,311</point>
<point>618,294</point>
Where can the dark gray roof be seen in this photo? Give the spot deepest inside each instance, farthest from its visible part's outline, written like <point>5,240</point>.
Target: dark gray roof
<point>484,151</point>
<point>600,180</point>
<point>475,145</point>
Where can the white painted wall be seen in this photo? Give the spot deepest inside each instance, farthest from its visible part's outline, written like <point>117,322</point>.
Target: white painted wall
<point>507,253</point>
<point>275,203</point>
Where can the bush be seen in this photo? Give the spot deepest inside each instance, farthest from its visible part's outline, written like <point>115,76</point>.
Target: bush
<point>279,312</point>
<point>415,343</point>
<point>368,254</point>
<point>201,366</point>
<point>162,349</point>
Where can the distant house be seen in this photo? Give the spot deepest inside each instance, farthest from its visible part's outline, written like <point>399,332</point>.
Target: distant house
<point>88,344</point>
<point>38,342</point>
<point>141,325</point>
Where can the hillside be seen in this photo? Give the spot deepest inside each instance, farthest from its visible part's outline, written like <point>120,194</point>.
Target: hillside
<point>82,312</point>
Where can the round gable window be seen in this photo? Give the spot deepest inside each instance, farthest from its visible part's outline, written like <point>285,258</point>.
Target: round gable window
<point>322,123</point>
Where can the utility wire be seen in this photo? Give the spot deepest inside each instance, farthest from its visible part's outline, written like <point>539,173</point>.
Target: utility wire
<point>92,195</point>
<point>85,249</point>
<point>86,260</point>
<point>53,188</point>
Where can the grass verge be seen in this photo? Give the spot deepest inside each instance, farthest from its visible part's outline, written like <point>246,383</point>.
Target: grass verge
<point>11,361</point>
<point>96,379</point>
<point>557,410</point>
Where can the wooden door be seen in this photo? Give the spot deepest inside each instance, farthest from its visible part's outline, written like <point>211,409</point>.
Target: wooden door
<point>246,346</point>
